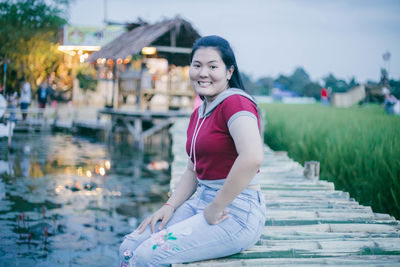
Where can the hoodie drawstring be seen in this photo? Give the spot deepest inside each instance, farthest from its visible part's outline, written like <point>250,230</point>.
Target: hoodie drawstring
<point>193,143</point>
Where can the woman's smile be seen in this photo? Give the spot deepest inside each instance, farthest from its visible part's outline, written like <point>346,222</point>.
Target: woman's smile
<point>204,84</point>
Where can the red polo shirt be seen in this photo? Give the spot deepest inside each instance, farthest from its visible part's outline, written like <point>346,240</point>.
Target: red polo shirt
<point>214,147</point>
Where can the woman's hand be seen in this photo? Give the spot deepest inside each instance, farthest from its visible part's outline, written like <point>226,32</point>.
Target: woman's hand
<point>164,214</point>
<point>213,215</point>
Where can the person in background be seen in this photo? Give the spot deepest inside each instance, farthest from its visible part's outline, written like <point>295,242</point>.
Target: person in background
<point>324,97</point>
<point>226,215</point>
<point>390,102</point>
<point>25,98</point>
<point>12,99</point>
<point>43,93</point>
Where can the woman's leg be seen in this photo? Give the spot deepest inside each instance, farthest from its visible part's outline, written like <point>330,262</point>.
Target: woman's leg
<point>194,239</point>
<point>190,240</point>
<point>134,239</point>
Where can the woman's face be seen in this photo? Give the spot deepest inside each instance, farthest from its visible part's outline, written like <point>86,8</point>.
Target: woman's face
<point>208,73</point>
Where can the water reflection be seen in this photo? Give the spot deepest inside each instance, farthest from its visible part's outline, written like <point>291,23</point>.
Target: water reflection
<point>68,201</point>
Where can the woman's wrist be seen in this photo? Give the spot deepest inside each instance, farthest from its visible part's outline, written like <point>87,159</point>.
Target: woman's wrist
<point>169,205</point>
<point>216,206</point>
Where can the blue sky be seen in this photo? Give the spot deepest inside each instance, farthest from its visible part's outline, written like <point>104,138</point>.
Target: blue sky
<point>343,37</point>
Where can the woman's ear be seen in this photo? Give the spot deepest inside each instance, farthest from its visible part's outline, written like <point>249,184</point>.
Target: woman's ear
<point>229,72</point>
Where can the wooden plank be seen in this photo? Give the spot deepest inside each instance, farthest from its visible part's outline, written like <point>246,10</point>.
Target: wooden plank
<point>157,127</point>
<point>322,236</point>
<point>144,114</point>
<point>92,125</point>
<point>332,228</point>
<point>306,194</point>
<point>171,49</point>
<point>351,260</point>
<point>308,221</point>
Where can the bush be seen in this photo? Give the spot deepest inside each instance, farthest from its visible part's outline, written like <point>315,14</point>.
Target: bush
<point>87,78</point>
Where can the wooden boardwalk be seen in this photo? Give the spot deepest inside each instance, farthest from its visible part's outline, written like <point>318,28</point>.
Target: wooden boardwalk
<point>141,125</point>
<point>308,222</point>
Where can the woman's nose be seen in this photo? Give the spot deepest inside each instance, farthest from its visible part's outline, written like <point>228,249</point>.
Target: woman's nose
<point>203,72</point>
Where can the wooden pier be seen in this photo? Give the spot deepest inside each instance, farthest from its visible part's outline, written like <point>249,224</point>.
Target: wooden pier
<point>308,222</point>
<point>140,125</point>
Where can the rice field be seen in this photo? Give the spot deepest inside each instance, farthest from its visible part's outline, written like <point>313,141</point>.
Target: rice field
<point>358,148</point>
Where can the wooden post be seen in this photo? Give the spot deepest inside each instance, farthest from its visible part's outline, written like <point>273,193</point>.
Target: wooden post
<point>138,134</point>
<point>311,170</point>
<point>139,84</point>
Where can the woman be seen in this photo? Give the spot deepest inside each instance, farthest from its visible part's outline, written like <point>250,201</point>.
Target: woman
<point>227,213</point>
<point>25,99</point>
<point>12,99</point>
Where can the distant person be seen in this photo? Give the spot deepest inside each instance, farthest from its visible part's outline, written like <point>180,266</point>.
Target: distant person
<point>390,103</point>
<point>324,97</point>
<point>43,93</point>
<point>12,100</point>
<point>25,98</point>
<point>227,213</point>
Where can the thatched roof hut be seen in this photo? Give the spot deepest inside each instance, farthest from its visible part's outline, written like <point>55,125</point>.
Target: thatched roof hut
<point>172,38</point>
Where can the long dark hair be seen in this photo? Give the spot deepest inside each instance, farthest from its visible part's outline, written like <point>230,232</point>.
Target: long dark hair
<point>226,53</point>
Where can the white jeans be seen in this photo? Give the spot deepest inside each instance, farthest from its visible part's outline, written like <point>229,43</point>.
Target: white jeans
<point>188,237</point>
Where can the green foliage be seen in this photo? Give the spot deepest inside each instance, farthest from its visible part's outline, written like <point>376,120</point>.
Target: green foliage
<point>28,33</point>
<point>299,81</point>
<point>358,148</point>
<point>395,88</point>
<point>338,85</point>
<point>87,78</point>
<point>312,90</point>
<point>42,59</point>
<point>260,87</point>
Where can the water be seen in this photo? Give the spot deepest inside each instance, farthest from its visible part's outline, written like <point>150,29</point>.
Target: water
<point>68,200</point>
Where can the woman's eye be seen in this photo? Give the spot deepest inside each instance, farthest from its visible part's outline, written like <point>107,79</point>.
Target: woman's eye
<point>213,67</point>
<point>196,66</point>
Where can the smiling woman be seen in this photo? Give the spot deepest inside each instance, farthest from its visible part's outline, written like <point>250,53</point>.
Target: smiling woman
<point>227,213</point>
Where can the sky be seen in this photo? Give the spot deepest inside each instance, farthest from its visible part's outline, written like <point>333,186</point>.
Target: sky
<point>344,37</point>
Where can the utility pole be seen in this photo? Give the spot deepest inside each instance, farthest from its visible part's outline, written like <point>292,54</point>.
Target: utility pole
<point>386,58</point>
<point>105,20</point>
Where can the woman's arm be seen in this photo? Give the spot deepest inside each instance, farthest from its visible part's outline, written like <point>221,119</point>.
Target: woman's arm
<point>187,185</point>
<point>246,135</point>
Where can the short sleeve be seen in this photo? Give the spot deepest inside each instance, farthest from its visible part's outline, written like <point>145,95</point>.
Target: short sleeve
<point>236,106</point>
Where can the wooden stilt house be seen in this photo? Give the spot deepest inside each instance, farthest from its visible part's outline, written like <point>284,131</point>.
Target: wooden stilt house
<point>149,66</point>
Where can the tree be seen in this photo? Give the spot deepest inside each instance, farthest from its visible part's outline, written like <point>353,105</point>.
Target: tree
<point>285,81</point>
<point>264,85</point>
<point>300,83</point>
<point>298,80</point>
<point>312,89</point>
<point>28,36</point>
<point>248,83</point>
<point>87,78</point>
<point>337,85</point>
<point>395,86</point>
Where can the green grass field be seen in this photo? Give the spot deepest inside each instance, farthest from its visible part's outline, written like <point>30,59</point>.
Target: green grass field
<point>358,148</point>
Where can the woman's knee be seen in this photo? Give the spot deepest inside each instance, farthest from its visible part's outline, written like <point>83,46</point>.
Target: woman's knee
<point>126,251</point>
<point>146,255</point>
<point>131,254</point>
